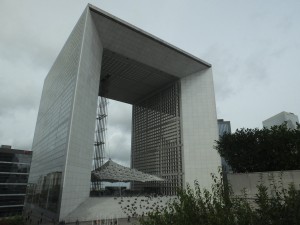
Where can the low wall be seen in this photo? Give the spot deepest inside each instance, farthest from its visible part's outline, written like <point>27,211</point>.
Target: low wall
<point>249,181</point>
<point>99,208</point>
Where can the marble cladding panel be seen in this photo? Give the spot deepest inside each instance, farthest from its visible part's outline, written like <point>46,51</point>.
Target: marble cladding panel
<point>51,136</point>
<point>199,128</point>
<point>81,143</point>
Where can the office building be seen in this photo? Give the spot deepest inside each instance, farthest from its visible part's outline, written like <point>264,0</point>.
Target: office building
<point>14,172</point>
<point>290,119</point>
<point>224,127</point>
<point>174,113</point>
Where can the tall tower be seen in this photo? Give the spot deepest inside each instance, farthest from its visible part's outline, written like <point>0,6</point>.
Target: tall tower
<point>290,118</point>
<point>224,127</point>
<point>174,112</point>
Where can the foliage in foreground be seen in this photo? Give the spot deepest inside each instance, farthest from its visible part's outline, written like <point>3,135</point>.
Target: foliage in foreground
<point>14,220</point>
<point>257,150</point>
<point>221,207</point>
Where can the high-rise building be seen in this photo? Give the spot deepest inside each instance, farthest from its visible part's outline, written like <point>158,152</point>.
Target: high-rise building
<point>290,119</point>
<point>174,112</point>
<point>14,172</point>
<point>224,127</point>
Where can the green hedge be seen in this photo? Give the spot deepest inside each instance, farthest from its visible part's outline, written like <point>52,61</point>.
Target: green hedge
<point>14,220</point>
<point>221,207</point>
<point>257,150</point>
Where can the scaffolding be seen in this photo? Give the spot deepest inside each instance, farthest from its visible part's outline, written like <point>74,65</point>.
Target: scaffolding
<point>100,139</point>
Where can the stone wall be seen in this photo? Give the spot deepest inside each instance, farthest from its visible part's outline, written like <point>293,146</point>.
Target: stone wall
<point>249,181</point>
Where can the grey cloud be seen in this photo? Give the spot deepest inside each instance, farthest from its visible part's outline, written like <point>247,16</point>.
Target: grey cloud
<point>225,69</point>
<point>17,128</point>
<point>118,145</point>
<point>234,72</point>
<point>248,44</point>
<point>256,71</point>
<point>20,88</point>
<point>119,116</point>
<point>30,32</point>
<point>23,48</point>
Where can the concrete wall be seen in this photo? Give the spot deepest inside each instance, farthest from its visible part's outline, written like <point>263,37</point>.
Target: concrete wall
<point>116,207</point>
<point>249,181</point>
<point>199,128</point>
<point>280,118</point>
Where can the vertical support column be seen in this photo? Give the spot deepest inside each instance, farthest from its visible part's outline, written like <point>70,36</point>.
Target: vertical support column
<point>199,127</point>
<point>77,172</point>
<point>63,140</point>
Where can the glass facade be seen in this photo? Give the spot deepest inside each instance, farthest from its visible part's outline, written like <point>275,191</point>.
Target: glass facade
<point>51,137</point>
<point>63,141</point>
<point>45,193</point>
<point>14,172</point>
<point>224,127</point>
<point>14,167</point>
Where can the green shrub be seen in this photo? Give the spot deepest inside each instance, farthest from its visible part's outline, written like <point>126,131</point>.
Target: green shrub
<point>221,207</point>
<point>257,150</point>
<point>14,220</point>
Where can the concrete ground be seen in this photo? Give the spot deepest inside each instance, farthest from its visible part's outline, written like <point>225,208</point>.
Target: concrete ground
<point>117,207</point>
<point>121,221</point>
<point>108,209</point>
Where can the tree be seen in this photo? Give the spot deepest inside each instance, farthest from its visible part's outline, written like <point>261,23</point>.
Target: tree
<point>256,150</point>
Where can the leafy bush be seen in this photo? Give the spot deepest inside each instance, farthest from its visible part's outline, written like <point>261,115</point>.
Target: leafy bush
<point>257,150</point>
<point>222,207</point>
<point>14,220</point>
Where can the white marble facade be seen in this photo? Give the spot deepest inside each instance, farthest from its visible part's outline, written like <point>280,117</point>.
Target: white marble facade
<point>199,128</point>
<point>66,121</point>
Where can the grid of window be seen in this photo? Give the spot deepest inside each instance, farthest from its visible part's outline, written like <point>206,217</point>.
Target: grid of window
<point>15,156</point>
<point>156,140</point>
<point>12,188</point>
<point>53,124</point>
<point>11,178</point>
<point>14,170</point>
<point>14,167</point>
<point>11,211</point>
<point>12,200</point>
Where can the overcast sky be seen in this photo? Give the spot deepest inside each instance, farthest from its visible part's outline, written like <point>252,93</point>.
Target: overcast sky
<point>253,46</point>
